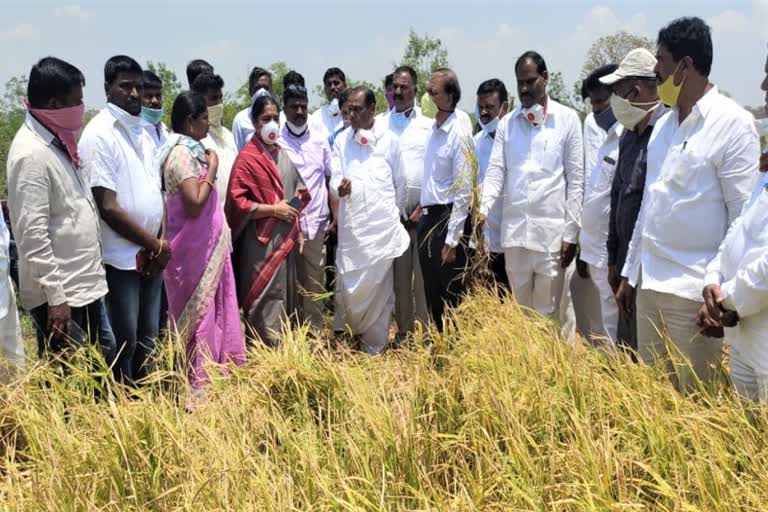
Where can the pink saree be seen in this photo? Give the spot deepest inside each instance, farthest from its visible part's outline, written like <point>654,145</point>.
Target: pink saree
<point>199,281</point>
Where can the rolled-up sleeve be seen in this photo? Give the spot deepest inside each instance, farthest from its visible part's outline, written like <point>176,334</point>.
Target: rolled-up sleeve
<point>30,209</point>
<point>99,162</point>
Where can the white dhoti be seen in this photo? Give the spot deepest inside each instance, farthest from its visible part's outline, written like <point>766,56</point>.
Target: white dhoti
<point>368,300</point>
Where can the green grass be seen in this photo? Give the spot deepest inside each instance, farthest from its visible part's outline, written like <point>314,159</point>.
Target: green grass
<point>498,415</point>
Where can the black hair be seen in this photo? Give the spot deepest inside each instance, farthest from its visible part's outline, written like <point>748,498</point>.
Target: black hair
<point>120,64</point>
<point>294,91</point>
<point>689,37</point>
<point>260,104</point>
<point>410,71</point>
<point>331,72</point>
<point>388,80</point>
<point>343,97</point>
<point>451,84</point>
<point>536,58</point>
<point>151,80</point>
<point>293,78</point>
<point>370,96</point>
<point>52,78</point>
<point>196,68</point>
<point>188,103</point>
<point>207,81</point>
<point>592,82</point>
<point>494,85</point>
<point>584,91</point>
<point>253,78</point>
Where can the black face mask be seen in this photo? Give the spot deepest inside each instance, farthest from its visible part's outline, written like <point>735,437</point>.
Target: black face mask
<point>605,119</point>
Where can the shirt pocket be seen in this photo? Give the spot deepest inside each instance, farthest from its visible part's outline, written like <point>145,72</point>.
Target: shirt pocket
<point>443,171</point>
<point>683,172</point>
<point>604,179</point>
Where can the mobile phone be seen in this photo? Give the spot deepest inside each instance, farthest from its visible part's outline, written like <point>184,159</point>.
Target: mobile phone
<point>295,203</point>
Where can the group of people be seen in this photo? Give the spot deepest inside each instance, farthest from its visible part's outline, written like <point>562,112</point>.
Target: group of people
<point>644,224</point>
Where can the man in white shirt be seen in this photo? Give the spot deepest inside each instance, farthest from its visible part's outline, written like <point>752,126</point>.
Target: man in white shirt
<point>152,108</point>
<point>702,166</point>
<point>259,83</point>
<point>219,138</point>
<point>445,194</point>
<point>412,130</point>
<point>11,343</point>
<point>537,165</point>
<point>492,106</point>
<point>369,177</point>
<point>327,118</point>
<point>311,156</point>
<point>603,313</point>
<point>118,156</point>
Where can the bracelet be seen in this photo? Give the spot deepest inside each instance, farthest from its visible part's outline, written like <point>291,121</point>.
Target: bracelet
<point>209,183</point>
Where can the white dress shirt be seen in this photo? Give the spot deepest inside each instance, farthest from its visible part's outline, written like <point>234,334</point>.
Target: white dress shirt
<point>118,154</point>
<point>594,137</point>
<point>492,228</point>
<point>369,217</point>
<point>413,143</point>
<point>540,171</point>
<point>324,123</point>
<point>222,141</point>
<point>741,270</point>
<point>595,214</point>
<point>700,174</point>
<point>447,177</point>
<point>158,133</point>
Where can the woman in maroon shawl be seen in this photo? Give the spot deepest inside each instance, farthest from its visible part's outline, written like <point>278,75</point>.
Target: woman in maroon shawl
<point>264,225</point>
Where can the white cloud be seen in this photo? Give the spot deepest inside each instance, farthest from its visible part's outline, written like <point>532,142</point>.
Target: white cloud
<point>19,32</point>
<point>72,11</point>
<point>730,22</point>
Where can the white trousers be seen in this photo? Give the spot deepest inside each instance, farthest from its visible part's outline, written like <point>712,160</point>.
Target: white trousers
<point>410,300</point>
<point>536,279</point>
<point>368,298</point>
<point>604,315</point>
<point>748,382</point>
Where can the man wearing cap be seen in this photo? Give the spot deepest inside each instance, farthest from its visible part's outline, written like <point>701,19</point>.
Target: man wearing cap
<point>636,106</point>
<point>537,167</point>
<point>702,167</point>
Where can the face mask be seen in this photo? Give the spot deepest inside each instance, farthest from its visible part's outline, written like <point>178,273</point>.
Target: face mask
<point>628,113</point>
<point>152,115</point>
<point>605,119</point>
<point>398,121</point>
<point>333,107</point>
<point>535,115</point>
<point>65,123</point>
<point>296,130</point>
<point>762,127</point>
<point>215,115</point>
<point>668,91</point>
<point>269,132</point>
<point>365,137</point>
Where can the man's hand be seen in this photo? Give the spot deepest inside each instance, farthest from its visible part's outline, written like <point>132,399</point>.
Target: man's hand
<point>713,298</point>
<point>614,278</point>
<point>582,269</point>
<point>59,320</point>
<point>624,297</point>
<point>567,253</point>
<point>333,226</point>
<point>345,188</point>
<point>448,255</point>
<point>415,215</point>
<point>163,254</point>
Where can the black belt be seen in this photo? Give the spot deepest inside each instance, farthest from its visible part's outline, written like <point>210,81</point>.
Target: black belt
<point>436,209</point>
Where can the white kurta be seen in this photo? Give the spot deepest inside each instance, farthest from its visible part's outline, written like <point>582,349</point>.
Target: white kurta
<point>370,233</point>
<point>222,142</point>
<point>11,344</point>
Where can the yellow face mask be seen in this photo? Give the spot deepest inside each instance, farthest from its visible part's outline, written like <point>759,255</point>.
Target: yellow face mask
<point>668,91</point>
<point>428,107</point>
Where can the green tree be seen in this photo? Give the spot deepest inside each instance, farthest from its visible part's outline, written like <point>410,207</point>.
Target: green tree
<point>424,54</point>
<point>559,92</point>
<point>612,48</point>
<point>171,87</point>
<point>12,114</point>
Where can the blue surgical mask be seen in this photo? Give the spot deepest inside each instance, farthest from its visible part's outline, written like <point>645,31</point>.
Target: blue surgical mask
<point>152,115</point>
<point>399,120</point>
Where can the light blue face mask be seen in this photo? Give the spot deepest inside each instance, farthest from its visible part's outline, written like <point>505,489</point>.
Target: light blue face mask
<point>152,115</point>
<point>399,120</point>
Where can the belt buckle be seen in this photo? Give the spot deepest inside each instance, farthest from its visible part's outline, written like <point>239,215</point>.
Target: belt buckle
<point>425,211</point>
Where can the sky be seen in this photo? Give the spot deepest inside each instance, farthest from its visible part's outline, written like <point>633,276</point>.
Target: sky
<point>363,37</point>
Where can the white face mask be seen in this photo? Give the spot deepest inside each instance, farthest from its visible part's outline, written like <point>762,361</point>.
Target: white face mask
<point>333,107</point>
<point>628,113</point>
<point>762,127</point>
<point>492,124</point>
<point>296,130</point>
<point>269,132</point>
<point>399,120</point>
<point>365,138</point>
<point>535,114</point>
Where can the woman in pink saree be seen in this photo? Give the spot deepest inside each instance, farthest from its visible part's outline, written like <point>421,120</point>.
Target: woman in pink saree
<point>202,299</point>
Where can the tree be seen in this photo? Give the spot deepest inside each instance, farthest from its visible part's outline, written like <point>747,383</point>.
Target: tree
<point>171,87</point>
<point>612,49</point>
<point>557,91</point>
<point>12,114</point>
<point>424,54</point>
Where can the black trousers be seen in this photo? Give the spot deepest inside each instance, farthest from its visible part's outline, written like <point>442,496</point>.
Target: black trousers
<point>443,284</point>
<point>498,268</point>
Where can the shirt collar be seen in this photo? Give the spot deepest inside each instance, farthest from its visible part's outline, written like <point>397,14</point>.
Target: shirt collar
<point>706,102</point>
<point>448,124</point>
<point>37,127</point>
